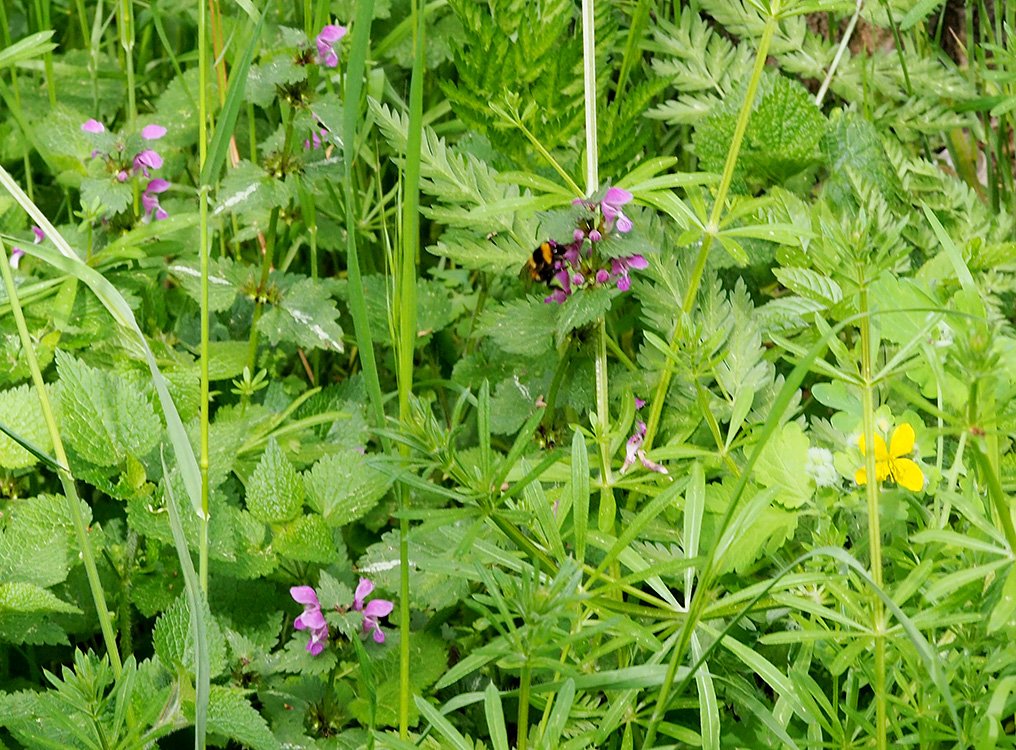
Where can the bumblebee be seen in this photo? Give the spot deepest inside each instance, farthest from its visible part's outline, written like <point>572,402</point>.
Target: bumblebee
<point>543,263</point>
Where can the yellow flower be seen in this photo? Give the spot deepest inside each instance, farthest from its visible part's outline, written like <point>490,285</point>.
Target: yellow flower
<point>891,464</point>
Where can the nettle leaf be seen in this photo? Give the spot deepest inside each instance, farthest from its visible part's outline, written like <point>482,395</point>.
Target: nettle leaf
<point>107,193</point>
<point>231,715</point>
<point>21,412</point>
<point>583,308</point>
<point>429,656</point>
<point>105,416</point>
<point>480,252</point>
<point>433,308</point>
<point>274,490</point>
<point>264,79</point>
<point>343,487</point>
<point>224,281</point>
<point>523,326</point>
<point>305,315</point>
<point>35,544</point>
<point>781,466</point>
<point>782,137</point>
<point>247,189</point>
<point>24,611</point>
<point>173,642</point>
<point>853,147</point>
<point>306,538</point>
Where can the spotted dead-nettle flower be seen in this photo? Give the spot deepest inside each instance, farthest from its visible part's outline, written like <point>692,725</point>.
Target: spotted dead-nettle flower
<point>312,619</point>
<point>372,610</point>
<point>633,450</point>
<point>150,200</point>
<point>330,36</point>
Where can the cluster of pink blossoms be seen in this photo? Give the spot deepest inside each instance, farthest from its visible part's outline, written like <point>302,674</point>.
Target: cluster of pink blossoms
<point>633,448</point>
<point>577,265</point>
<point>141,163</point>
<point>313,619</point>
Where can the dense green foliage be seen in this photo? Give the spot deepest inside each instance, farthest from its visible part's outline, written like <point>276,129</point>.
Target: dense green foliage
<point>283,326</point>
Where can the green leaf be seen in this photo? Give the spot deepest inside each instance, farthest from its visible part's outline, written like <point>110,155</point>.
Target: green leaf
<point>523,326</point>
<point>224,280</point>
<point>782,137</point>
<point>264,79</point>
<point>21,412</point>
<point>583,308</point>
<point>811,284</point>
<point>781,465</point>
<point>105,416</point>
<point>274,490</point>
<point>343,487</point>
<point>306,538</point>
<point>172,640</point>
<point>231,715</point>
<point>109,194</point>
<point>305,315</point>
<point>33,45</point>
<point>35,543</point>
<point>17,596</point>
<point>1002,613</point>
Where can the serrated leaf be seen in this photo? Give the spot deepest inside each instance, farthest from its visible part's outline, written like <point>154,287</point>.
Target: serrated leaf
<point>35,543</point>
<point>343,487</point>
<point>224,278</point>
<point>274,490</point>
<point>172,641</point>
<point>582,308</point>
<point>306,538</point>
<point>107,193</point>
<point>105,417</point>
<point>523,326</point>
<point>21,412</point>
<point>231,715</point>
<point>23,598</point>
<point>781,466</point>
<point>263,80</point>
<point>306,316</point>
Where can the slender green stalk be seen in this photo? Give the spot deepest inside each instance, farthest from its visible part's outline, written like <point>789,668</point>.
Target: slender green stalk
<point>874,525</point>
<point>656,407</point>
<point>42,10</point>
<point>525,681</point>
<point>203,250</point>
<point>406,300</point>
<point>844,42</point>
<point>66,479</point>
<point>125,29</point>
<point>700,598</point>
<point>589,81</point>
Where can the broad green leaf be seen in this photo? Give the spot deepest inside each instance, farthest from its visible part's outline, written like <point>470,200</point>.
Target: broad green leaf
<point>173,642</point>
<point>274,490</point>
<point>781,466</point>
<point>344,486</point>
<point>21,412</point>
<point>105,416</point>
<point>306,538</point>
<point>523,326</point>
<point>231,715</point>
<point>305,315</point>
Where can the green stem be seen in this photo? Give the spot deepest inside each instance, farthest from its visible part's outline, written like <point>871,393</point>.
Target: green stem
<point>125,27</point>
<point>66,479</point>
<point>259,300</point>
<point>699,599</point>
<point>406,270</point>
<point>874,525</point>
<point>525,680</point>
<point>656,408</point>
<point>608,507</point>
<point>204,250</point>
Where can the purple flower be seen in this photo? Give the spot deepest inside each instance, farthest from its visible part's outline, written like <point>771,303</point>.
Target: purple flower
<point>152,132</point>
<point>315,140</point>
<point>93,126</point>
<point>639,403</point>
<point>146,160</point>
<point>16,254</point>
<point>579,235</point>
<point>122,176</point>
<point>373,610</point>
<point>602,276</point>
<point>633,450</point>
<point>611,208</point>
<point>619,270</point>
<point>150,199</point>
<point>39,234</point>
<point>326,41</point>
<point>595,236</point>
<point>311,619</point>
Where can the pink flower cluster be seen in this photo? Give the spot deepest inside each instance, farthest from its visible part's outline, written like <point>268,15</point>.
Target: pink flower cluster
<point>330,36</point>
<point>17,253</point>
<point>141,163</point>
<point>577,265</point>
<point>313,620</point>
<point>633,448</point>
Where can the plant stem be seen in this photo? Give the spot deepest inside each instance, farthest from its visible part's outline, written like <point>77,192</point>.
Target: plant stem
<point>874,525</point>
<point>656,408</point>
<point>125,28</point>
<point>406,309</point>
<point>698,602</point>
<point>589,80</point>
<point>203,251</point>
<point>525,679</point>
<point>66,479</point>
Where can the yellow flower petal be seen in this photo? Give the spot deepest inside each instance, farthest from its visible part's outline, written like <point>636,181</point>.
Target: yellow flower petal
<point>881,454</point>
<point>861,477</point>
<point>902,441</point>
<point>907,473</point>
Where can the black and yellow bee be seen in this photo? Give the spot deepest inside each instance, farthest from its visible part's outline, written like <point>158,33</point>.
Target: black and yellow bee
<point>544,262</point>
